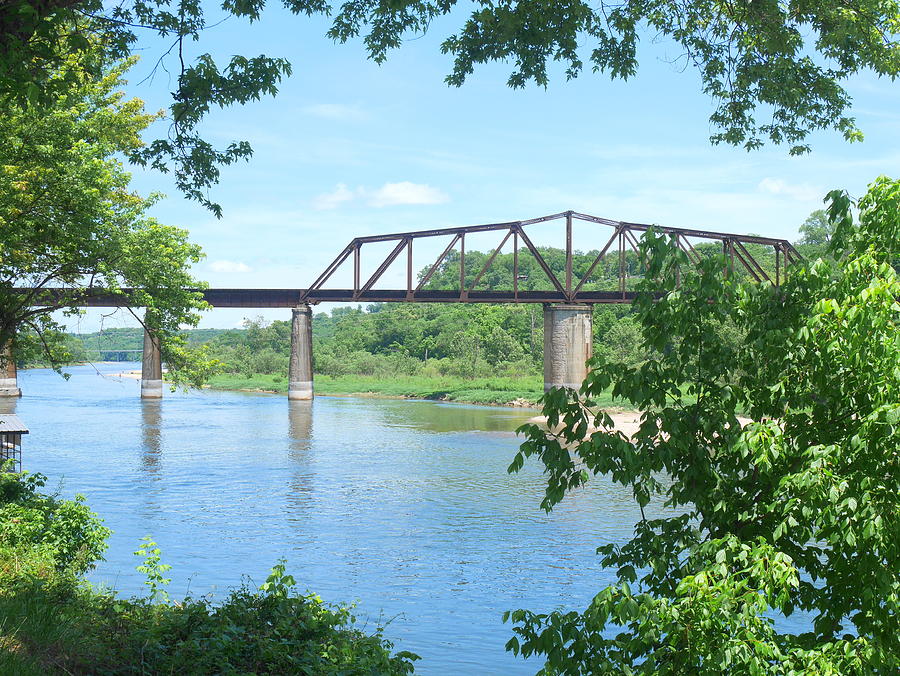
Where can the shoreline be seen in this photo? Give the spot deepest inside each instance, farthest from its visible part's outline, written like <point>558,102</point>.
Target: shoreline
<point>625,420</point>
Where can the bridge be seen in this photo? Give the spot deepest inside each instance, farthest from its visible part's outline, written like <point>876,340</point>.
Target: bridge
<point>567,305</point>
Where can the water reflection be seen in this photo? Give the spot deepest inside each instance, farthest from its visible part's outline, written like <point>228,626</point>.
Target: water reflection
<point>449,417</point>
<point>8,405</point>
<point>367,498</point>
<point>300,426</point>
<point>151,435</point>
<point>300,417</point>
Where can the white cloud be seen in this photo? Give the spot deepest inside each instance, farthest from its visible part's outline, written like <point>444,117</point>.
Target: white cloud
<point>336,111</point>
<point>388,195</point>
<point>802,192</point>
<point>391,194</point>
<point>333,199</point>
<point>229,266</point>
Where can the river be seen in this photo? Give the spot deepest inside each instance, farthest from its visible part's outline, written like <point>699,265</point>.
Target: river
<point>404,507</point>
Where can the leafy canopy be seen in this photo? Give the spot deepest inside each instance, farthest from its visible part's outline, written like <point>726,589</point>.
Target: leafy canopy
<point>797,509</point>
<point>775,70</point>
<point>69,221</point>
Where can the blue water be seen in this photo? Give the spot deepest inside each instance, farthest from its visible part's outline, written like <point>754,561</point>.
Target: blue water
<point>404,507</point>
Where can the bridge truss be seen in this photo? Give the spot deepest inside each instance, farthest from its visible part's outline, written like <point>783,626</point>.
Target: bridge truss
<point>570,288</point>
<point>624,236</point>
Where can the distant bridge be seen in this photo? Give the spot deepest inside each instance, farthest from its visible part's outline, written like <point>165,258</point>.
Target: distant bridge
<point>567,305</point>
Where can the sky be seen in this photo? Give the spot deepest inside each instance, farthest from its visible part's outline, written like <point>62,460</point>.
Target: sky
<point>350,148</point>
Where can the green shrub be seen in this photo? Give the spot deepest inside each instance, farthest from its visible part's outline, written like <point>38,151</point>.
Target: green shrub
<point>65,534</point>
<point>54,622</point>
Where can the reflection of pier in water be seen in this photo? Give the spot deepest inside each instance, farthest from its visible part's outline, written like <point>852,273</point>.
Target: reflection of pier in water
<point>300,430</point>
<point>8,405</point>
<point>151,435</point>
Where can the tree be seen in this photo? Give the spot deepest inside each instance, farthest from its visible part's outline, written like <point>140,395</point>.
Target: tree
<point>817,230</point>
<point>797,510</point>
<point>69,221</point>
<point>621,344</point>
<point>775,69</point>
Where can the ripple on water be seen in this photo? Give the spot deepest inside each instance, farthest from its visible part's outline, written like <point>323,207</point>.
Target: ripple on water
<point>405,506</point>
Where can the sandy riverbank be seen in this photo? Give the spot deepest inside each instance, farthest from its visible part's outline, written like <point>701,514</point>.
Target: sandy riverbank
<point>626,422</point>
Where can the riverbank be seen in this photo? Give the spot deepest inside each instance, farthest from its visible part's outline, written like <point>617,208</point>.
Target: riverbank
<point>520,391</point>
<point>524,391</point>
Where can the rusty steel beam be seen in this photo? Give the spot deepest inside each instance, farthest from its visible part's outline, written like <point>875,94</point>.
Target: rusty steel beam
<point>452,296</point>
<point>490,260</point>
<point>290,298</point>
<point>742,253</point>
<point>596,261</point>
<point>540,260</point>
<point>235,298</point>
<point>437,263</point>
<point>385,264</point>
<point>462,266</point>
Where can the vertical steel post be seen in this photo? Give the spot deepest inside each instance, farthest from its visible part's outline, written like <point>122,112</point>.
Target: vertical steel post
<point>516,264</point>
<point>569,254</point>
<point>356,256</point>
<point>409,268</point>
<point>462,266</point>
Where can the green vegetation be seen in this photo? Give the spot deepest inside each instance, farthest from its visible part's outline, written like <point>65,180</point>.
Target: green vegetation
<point>53,622</point>
<point>522,390</point>
<point>69,221</point>
<point>799,510</point>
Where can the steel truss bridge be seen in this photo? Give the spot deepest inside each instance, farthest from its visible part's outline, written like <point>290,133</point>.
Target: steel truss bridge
<point>623,236</point>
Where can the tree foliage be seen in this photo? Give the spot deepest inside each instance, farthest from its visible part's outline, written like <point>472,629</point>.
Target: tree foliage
<point>795,511</point>
<point>69,222</point>
<point>775,70</point>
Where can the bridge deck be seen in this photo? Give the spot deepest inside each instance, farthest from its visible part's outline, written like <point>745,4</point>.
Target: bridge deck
<point>288,298</point>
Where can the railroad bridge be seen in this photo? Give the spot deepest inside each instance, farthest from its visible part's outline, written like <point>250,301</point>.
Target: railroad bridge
<point>567,305</point>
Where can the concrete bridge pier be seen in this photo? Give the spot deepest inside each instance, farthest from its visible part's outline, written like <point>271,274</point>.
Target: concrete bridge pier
<point>300,373</point>
<point>151,368</point>
<point>9,386</point>
<point>568,337</point>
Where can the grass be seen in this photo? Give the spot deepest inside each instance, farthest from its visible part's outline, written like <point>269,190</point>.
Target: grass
<point>523,390</point>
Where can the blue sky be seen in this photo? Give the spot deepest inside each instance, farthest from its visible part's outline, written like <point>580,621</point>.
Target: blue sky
<point>351,148</point>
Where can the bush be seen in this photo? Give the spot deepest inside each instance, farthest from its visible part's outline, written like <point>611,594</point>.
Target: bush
<point>53,622</point>
<point>63,533</point>
<point>267,631</point>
